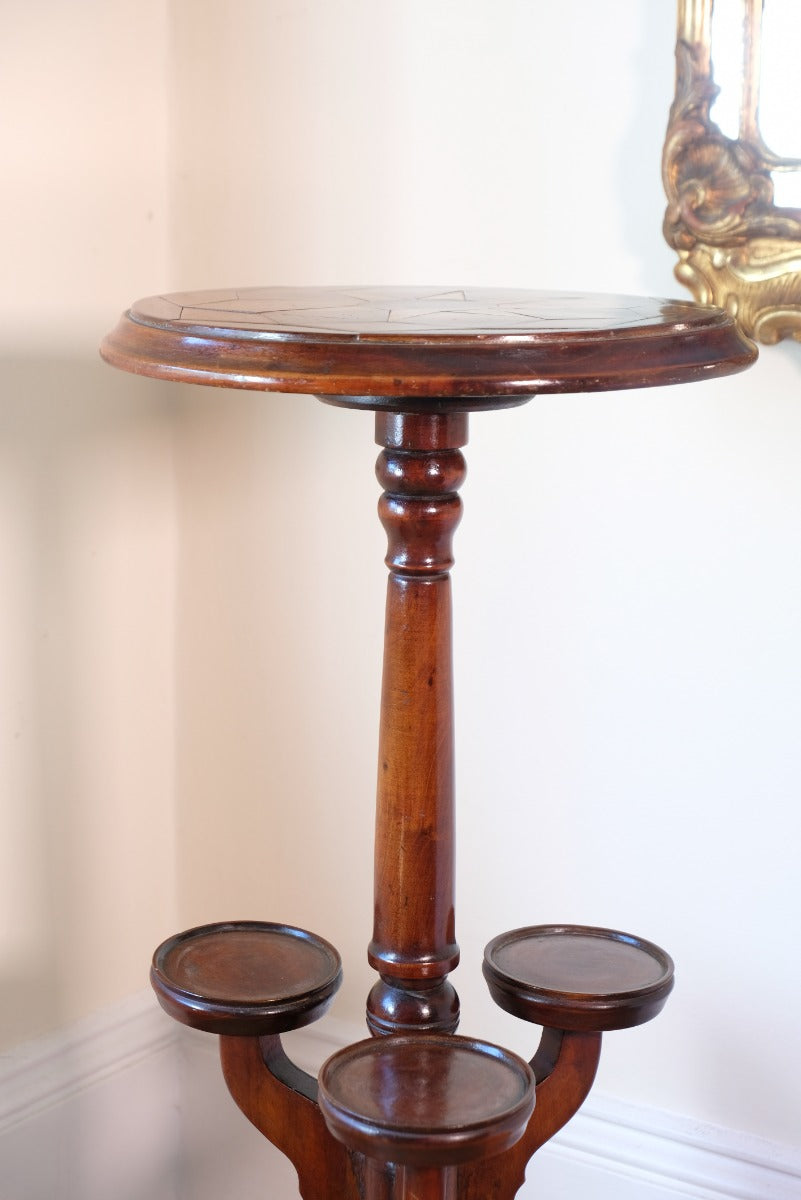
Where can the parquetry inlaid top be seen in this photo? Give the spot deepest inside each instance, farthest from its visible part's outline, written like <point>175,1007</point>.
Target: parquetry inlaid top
<point>436,342</point>
<point>380,313</point>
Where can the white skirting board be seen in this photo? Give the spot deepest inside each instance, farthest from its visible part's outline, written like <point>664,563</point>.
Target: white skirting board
<point>126,1106</point>
<point>92,1112</point>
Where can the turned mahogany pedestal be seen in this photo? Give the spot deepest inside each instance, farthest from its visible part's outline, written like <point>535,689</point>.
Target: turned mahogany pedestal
<point>416,1112</point>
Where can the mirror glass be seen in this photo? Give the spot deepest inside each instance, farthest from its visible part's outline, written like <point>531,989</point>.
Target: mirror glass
<point>780,80</point>
<point>768,62</point>
<point>728,50</point>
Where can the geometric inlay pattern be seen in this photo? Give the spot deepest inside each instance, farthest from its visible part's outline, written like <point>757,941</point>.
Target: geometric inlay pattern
<point>381,313</point>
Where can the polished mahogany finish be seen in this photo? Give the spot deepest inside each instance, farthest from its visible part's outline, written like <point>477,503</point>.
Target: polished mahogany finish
<point>564,1067</point>
<point>426,1100</point>
<point>402,347</point>
<point>245,977</point>
<point>280,1100</point>
<point>416,1113</point>
<point>578,976</point>
<point>414,942</point>
<point>419,1105</point>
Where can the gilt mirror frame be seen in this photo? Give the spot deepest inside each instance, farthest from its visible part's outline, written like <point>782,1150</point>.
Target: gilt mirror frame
<point>737,249</point>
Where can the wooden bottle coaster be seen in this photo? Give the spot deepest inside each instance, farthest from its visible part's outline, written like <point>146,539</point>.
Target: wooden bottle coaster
<point>578,976</point>
<point>426,1099</point>
<point>245,977</point>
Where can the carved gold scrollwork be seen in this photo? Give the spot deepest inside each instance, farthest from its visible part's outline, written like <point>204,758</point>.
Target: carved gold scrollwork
<point>736,249</point>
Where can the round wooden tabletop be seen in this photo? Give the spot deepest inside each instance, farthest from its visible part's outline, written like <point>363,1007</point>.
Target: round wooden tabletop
<point>578,976</point>
<point>400,347</point>
<point>426,1099</point>
<point>245,977</point>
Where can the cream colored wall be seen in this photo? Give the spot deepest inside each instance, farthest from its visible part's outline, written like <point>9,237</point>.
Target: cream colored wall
<point>192,581</point>
<point>628,593</point>
<point>86,515</point>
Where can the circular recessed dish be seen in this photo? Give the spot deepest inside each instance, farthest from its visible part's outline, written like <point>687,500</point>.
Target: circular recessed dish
<point>426,1099</point>
<point>578,977</point>
<point>245,977</point>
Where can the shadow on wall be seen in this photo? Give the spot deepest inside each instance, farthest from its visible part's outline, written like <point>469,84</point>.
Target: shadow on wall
<point>278,652</point>
<point>156,541</point>
<point>86,549</point>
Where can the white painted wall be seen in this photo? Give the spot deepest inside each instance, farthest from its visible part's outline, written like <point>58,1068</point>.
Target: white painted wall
<point>87,547</point>
<point>192,583</point>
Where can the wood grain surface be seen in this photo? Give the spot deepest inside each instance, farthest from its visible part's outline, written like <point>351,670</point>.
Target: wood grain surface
<point>404,347</point>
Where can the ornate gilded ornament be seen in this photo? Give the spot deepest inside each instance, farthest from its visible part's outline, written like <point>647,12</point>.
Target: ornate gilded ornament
<point>736,248</point>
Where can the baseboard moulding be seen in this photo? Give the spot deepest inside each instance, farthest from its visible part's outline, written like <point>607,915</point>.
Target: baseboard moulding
<point>107,1109</point>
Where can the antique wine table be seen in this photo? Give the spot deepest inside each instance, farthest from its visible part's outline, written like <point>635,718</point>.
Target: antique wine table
<point>416,1112</point>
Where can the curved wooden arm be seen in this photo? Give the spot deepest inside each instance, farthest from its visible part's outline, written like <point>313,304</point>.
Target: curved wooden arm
<point>281,1101</point>
<point>564,1065</point>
